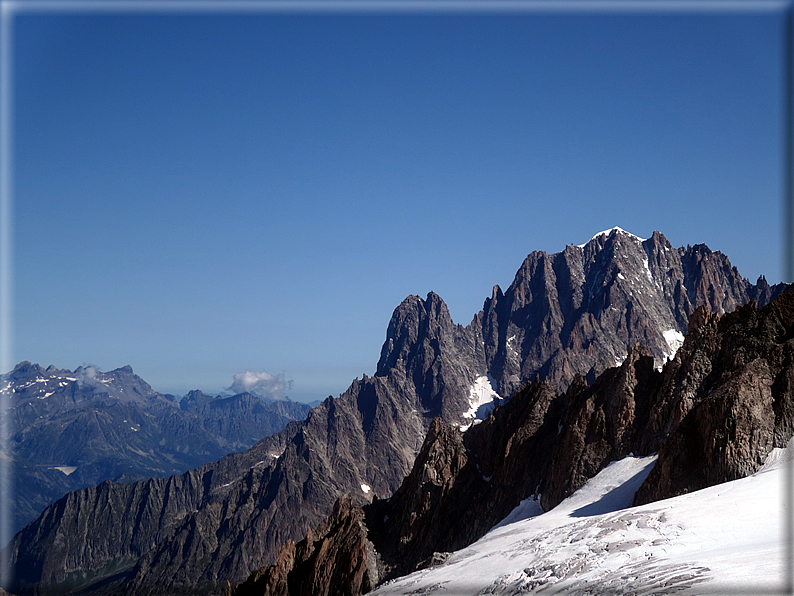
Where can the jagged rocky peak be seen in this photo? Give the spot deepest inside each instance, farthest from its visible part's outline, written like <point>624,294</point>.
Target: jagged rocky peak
<point>727,400</point>
<point>25,368</point>
<point>603,422</point>
<point>336,554</point>
<point>413,321</point>
<point>711,279</point>
<point>576,312</point>
<point>580,310</point>
<point>195,399</point>
<point>573,312</point>
<point>440,361</point>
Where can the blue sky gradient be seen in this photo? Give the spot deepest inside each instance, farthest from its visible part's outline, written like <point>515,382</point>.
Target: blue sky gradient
<point>199,195</point>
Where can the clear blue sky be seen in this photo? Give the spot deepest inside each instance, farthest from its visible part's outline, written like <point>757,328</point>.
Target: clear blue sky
<point>199,195</point>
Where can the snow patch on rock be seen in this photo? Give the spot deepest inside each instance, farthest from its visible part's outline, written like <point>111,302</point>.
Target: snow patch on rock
<point>647,269</point>
<point>482,400</point>
<point>674,339</point>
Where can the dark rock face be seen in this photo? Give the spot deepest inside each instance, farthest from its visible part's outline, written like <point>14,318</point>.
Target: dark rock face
<point>336,558</point>
<point>73,429</point>
<point>602,423</point>
<point>423,503</point>
<point>574,312</point>
<point>579,311</point>
<point>714,413</point>
<point>538,443</point>
<point>737,401</point>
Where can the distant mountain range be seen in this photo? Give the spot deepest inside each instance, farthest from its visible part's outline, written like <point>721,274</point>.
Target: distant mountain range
<point>74,429</point>
<point>566,318</point>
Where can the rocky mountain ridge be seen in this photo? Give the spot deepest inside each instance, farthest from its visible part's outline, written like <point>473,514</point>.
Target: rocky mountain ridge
<point>574,312</point>
<point>713,413</point>
<point>74,429</point>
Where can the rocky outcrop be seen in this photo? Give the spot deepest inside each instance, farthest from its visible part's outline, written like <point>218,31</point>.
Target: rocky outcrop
<point>419,510</point>
<point>464,483</point>
<point>603,422</point>
<point>577,312</point>
<point>713,413</point>
<point>336,558</point>
<point>736,402</point>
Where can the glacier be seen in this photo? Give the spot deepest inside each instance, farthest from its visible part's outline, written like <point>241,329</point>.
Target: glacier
<point>725,539</point>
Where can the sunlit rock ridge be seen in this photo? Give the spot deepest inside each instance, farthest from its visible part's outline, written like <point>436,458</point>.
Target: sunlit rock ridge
<point>578,311</point>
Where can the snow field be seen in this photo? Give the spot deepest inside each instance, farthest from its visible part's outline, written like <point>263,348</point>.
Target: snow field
<point>726,539</point>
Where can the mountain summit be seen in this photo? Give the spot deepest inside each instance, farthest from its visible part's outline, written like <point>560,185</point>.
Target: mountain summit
<point>577,312</point>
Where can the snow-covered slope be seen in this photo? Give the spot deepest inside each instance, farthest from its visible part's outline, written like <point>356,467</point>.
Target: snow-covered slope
<point>727,539</point>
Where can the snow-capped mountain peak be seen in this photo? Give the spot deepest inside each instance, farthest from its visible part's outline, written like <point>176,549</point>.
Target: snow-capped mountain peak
<point>609,232</point>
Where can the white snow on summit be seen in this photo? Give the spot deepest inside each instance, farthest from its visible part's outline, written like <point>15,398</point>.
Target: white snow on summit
<point>608,232</point>
<point>727,538</point>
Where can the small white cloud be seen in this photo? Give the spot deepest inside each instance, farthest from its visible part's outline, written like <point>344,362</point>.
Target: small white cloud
<point>86,374</point>
<point>262,383</point>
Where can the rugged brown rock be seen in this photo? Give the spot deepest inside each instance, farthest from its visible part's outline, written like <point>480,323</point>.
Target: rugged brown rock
<point>420,510</point>
<point>603,423</point>
<point>737,401</point>
<point>336,558</point>
<point>464,483</point>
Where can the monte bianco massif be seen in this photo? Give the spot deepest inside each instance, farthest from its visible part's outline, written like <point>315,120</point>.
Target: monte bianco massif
<point>623,349</point>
